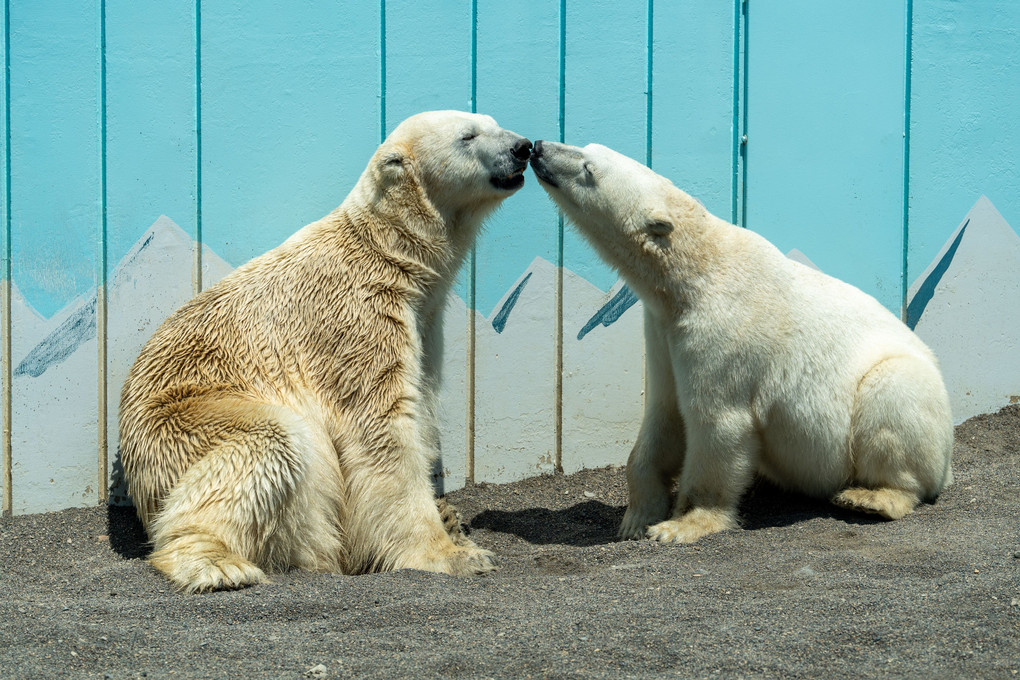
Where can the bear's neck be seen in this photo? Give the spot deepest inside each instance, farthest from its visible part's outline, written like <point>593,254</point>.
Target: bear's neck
<point>674,285</point>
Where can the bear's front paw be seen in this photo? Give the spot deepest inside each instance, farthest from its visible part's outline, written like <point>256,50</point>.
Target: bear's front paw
<point>635,524</point>
<point>692,526</point>
<point>471,560</point>
<point>201,573</point>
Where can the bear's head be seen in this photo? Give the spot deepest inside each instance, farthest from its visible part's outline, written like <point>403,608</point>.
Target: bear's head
<point>637,220</point>
<point>462,164</point>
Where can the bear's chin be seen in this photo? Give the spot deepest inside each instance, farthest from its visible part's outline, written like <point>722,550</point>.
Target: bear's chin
<point>509,183</point>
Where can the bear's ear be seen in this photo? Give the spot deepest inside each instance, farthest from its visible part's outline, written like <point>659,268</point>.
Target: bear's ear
<point>391,160</point>
<point>391,167</point>
<point>658,227</point>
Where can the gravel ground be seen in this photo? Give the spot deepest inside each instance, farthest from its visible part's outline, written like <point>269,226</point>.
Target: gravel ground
<point>803,590</point>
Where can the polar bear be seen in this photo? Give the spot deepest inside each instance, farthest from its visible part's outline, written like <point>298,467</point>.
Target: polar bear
<point>287,415</point>
<point>755,363</point>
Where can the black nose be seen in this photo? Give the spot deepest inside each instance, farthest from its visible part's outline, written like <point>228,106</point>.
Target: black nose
<point>537,151</point>
<point>522,149</point>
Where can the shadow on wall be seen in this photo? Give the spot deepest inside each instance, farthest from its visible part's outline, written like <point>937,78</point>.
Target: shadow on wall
<point>127,535</point>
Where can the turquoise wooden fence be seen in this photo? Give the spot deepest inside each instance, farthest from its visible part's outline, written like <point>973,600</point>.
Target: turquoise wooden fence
<point>150,147</point>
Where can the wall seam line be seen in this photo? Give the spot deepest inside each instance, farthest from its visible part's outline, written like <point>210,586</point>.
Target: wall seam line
<point>735,118</point>
<point>648,82</point>
<point>649,102</point>
<point>908,65</point>
<point>6,504</point>
<point>196,276</point>
<point>745,69</point>
<point>101,301</point>
<point>382,71</point>
<point>469,446</point>
<point>558,324</point>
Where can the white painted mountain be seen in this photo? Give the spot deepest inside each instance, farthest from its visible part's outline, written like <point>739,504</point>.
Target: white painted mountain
<point>30,325</point>
<point>54,417</point>
<point>966,307</point>
<point>603,373</point>
<point>452,409</point>
<point>515,380</point>
<point>798,256</point>
<point>214,267</point>
<point>56,368</point>
<point>148,285</point>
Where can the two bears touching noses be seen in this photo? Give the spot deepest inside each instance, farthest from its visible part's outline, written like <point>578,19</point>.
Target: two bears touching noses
<point>287,416</point>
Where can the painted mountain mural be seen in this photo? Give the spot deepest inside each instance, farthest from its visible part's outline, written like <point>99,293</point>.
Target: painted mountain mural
<point>965,305</point>
<point>54,424</point>
<point>516,402</point>
<point>55,375</point>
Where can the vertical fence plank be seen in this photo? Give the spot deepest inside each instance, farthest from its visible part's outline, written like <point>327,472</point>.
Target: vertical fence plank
<point>605,102</point>
<point>151,183</point>
<point>825,137</point>
<point>55,218</point>
<point>692,100</point>
<point>289,112</point>
<point>515,280</point>
<point>964,137</point>
<point>964,198</point>
<point>428,67</point>
<point>294,102</point>
<point>5,282</point>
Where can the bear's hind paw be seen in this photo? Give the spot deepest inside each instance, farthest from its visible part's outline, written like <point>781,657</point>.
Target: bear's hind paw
<point>201,574</point>
<point>887,502</point>
<point>691,526</point>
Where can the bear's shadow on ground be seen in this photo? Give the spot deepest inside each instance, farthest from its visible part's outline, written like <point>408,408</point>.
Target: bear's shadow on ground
<point>595,523</point>
<point>585,524</point>
<point>127,535</point>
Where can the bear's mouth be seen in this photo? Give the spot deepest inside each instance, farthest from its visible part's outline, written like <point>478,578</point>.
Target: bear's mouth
<point>542,173</point>
<point>515,180</point>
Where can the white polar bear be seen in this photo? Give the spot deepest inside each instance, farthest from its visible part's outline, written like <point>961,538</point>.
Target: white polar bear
<point>286,416</point>
<point>755,363</point>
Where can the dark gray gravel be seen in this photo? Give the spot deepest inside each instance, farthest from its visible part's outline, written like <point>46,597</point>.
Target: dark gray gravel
<point>804,590</point>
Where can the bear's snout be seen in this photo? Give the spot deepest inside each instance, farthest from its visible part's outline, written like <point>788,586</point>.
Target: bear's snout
<point>522,149</point>
<point>538,165</point>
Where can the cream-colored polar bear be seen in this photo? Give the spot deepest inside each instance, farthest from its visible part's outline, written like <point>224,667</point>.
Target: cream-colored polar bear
<point>286,416</point>
<point>755,363</point>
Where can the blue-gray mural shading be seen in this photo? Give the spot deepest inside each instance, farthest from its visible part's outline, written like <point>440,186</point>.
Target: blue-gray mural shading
<point>499,321</point>
<point>611,311</point>
<point>77,329</point>
<point>927,289</point>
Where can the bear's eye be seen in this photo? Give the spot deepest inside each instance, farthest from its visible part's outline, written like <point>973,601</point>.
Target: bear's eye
<point>588,168</point>
<point>468,136</point>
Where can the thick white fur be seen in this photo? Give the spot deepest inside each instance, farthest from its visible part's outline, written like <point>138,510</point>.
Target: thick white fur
<point>755,363</point>
<point>286,416</point>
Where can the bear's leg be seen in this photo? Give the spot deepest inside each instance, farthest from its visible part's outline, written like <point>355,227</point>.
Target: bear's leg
<point>452,522</point>
<point>658,453</point>
<point>259,499</point>
<point>394,521</point>
<point>721,460</point>
<point>654,463</point>
<point>902,439</point>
